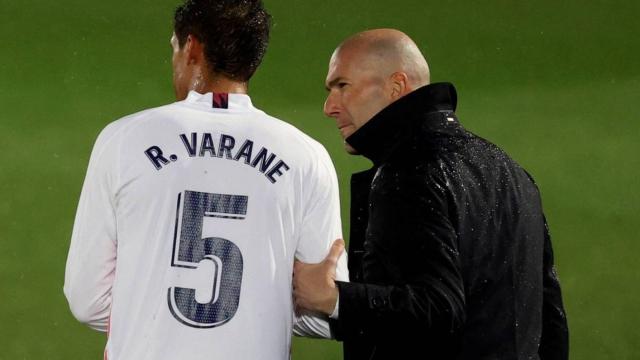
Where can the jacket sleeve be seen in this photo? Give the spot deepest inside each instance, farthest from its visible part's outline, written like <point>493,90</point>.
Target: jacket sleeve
<point>411,237</point>
<point>554,343</point>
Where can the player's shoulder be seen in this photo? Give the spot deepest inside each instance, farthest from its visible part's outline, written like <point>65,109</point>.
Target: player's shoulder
<point>123,127</point>
<point>130,121</point>
<point>292,136</point>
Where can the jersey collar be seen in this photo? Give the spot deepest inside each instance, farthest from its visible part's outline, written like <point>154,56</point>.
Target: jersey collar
<point>221,101</point>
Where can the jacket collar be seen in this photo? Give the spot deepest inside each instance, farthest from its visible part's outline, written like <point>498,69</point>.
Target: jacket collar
<point>377,138</point>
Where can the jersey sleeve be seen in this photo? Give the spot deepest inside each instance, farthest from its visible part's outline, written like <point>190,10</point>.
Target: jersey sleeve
<point>321,226</point>
<point>91,260</point>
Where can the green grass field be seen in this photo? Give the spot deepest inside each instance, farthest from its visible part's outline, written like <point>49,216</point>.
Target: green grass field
<point>554,83</point>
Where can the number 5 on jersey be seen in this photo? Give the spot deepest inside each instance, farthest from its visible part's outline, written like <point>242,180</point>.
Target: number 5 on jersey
<point>190,248</point>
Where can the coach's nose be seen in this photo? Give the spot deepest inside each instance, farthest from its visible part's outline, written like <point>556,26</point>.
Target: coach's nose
<point>331,105</point>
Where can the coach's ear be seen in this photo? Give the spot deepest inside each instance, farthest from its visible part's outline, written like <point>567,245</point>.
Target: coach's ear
<point>399,85</point>
<point>194,50</point>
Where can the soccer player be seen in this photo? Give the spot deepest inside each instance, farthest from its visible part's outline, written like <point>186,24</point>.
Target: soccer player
<point>191,214</point>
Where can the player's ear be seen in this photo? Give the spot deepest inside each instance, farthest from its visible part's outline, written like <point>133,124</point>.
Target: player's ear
<point>399,85</point>
<point>194,49</point>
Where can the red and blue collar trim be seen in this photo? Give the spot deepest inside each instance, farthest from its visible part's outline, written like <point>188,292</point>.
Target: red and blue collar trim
<point>220,101</point>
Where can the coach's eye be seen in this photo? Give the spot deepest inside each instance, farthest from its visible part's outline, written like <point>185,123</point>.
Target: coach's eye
<point>342,85</point>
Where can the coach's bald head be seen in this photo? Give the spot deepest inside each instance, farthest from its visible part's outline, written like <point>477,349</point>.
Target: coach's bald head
<point>369,71</point>
<point>388,51</point>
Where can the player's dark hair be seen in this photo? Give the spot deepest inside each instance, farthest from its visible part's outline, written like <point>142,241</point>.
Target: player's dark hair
<point>235,33</point>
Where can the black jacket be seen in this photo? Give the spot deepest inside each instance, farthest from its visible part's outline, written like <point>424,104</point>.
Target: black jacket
<point>449,254</point>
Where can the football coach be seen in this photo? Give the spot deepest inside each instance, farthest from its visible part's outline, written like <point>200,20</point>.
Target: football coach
<point>450,255</point>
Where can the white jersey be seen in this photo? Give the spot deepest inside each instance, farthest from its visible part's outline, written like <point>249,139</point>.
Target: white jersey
<point>188,224</point>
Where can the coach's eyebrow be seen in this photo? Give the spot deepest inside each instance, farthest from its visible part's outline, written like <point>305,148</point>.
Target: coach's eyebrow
<point>333,83</point>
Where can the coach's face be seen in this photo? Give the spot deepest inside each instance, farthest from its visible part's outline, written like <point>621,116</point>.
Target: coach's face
<point>357,91</point>
<point>182,73</point>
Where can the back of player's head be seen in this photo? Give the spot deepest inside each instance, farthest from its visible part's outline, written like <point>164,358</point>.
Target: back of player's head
<point>235,33</point>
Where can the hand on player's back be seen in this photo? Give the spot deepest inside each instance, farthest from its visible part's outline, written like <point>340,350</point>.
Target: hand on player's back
<point>314,287</point>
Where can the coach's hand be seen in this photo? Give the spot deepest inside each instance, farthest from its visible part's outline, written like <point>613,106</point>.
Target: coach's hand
<point>314,287</point>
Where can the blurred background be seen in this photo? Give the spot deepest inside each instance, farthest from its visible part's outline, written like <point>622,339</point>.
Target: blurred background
<point>552,82</point>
